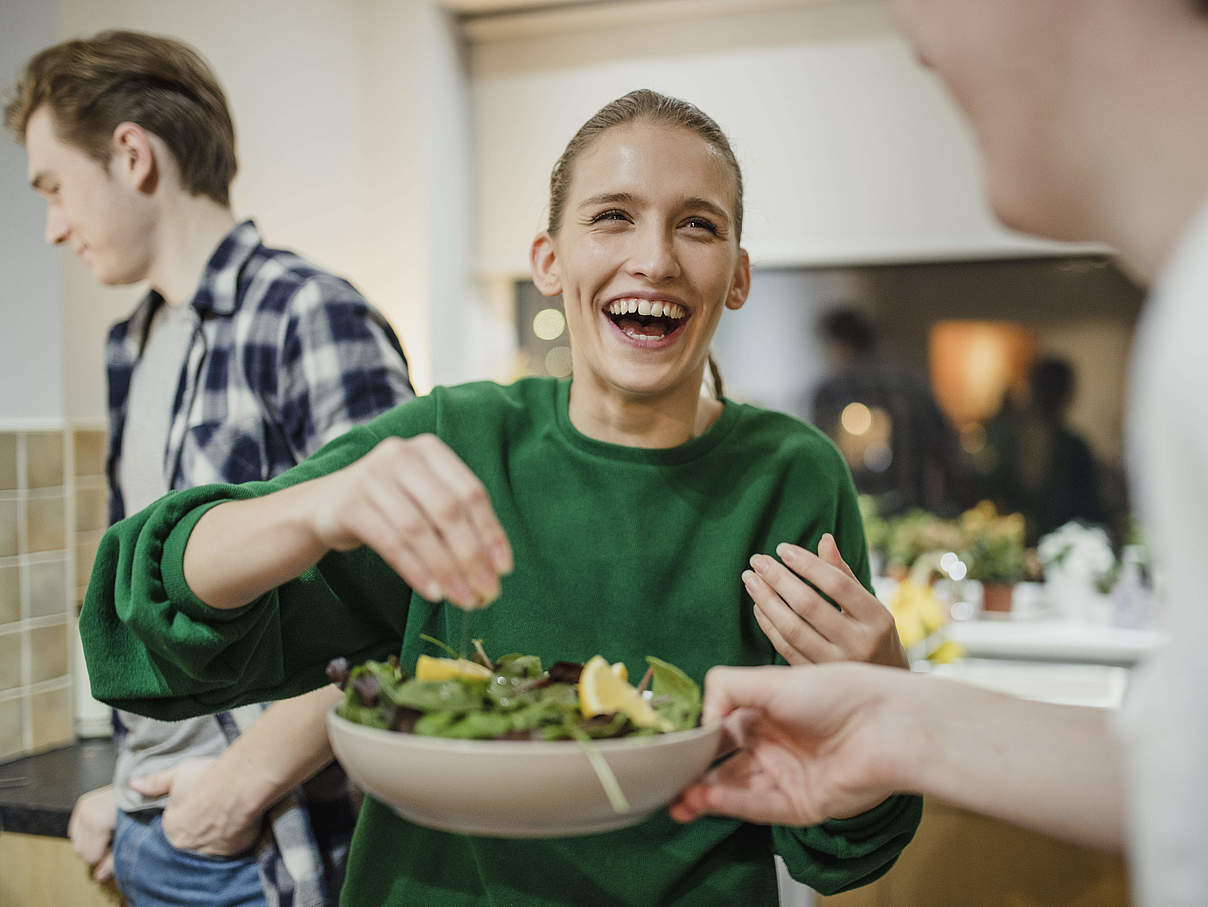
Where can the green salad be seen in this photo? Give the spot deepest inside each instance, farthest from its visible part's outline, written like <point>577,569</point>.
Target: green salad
<point>515,697</point>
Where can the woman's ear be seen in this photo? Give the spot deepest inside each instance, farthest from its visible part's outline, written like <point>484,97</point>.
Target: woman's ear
<point>742,281</point>
<point>133,157</point>
<point>543,262</point>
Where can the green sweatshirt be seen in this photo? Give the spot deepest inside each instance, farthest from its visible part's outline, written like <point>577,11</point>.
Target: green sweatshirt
<point>620,551</point>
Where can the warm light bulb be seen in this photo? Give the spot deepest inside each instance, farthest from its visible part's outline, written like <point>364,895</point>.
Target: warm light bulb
<point>548,324</point>
<point>856,419</point>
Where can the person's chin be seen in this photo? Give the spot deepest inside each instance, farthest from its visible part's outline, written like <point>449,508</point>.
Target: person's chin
<point>110,278</point>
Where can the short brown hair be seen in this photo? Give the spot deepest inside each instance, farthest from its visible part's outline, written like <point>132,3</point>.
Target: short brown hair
<point>642,104</point>
<point>91,85</point>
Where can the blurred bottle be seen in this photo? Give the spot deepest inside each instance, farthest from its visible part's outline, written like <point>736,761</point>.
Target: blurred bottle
<point>1132,596</point>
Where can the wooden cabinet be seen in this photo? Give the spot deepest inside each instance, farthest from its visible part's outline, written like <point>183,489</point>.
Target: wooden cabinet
<point>37,871</point>
<point>960,858</point>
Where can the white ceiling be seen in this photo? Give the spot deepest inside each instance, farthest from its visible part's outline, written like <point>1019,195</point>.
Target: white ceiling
<point>487,7</point>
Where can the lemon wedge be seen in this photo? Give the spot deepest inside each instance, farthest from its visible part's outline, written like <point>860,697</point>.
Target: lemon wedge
<point>429,668</point>
<point>603,690</point>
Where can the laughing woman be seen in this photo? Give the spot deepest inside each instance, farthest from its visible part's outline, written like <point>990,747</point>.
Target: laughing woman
<point>619,512</point>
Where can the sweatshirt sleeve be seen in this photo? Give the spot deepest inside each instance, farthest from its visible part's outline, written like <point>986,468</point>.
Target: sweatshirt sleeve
<point>846,853</point>
<point>154,648</point>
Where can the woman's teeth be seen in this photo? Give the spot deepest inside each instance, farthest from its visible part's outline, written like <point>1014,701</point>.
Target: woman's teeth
<point>657,308</point>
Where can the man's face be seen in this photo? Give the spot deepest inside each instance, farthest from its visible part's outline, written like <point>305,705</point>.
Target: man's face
<point>1007,64</point>
<point>95,209</point>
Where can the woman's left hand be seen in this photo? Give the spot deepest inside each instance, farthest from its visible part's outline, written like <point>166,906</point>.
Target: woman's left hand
<point>807,629</point>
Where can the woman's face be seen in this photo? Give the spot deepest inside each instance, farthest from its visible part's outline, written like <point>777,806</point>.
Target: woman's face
<point>646,258</point>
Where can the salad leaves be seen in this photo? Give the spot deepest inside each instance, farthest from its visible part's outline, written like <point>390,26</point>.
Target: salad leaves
<point>521,700</point>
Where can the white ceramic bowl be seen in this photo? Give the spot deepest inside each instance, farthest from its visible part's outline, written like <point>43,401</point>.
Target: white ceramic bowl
<point>518,788</point>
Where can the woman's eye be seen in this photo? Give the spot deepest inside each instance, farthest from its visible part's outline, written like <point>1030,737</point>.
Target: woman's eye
<point>610,214</point>
<point>701,223</point>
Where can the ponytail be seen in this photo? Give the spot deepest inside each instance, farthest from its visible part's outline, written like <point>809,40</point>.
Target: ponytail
<point>715,378</point>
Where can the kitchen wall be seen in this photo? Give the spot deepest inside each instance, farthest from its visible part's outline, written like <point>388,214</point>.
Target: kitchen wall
<point>36,613</point>
<point>851,152</point>
<point>36,561</point>
<point>31,343</point>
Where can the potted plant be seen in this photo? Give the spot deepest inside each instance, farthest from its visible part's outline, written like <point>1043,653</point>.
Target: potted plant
<point>915,533</point>
<point>1080,568</point>
<point>994,552</point>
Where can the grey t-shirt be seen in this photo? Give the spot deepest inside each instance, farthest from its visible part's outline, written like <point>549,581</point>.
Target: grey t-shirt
<point>152,745</point>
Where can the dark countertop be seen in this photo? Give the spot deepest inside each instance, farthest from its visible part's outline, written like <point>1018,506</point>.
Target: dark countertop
<point>37,792</point>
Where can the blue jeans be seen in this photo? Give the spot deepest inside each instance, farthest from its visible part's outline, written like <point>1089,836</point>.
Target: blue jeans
<point>152,873</point>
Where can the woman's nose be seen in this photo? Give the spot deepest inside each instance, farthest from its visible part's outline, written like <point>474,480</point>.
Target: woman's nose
<point>653,255</point>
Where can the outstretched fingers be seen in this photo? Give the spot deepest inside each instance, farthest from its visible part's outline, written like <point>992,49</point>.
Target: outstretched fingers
<point>830,574</point>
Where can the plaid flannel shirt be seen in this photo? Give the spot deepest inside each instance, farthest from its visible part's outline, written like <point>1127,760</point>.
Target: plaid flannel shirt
<point>284,358</point>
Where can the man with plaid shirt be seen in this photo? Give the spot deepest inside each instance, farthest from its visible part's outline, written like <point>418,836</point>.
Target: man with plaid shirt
<point>240,361</point>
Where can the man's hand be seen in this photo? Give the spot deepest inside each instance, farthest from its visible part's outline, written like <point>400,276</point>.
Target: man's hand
<point>204,813</point>
<point>90,829</point>
<point>810,742</point>
<point>807,629</point>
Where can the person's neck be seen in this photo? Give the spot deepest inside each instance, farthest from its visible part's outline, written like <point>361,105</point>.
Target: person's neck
<point>1152,176</point>
<point>668,420</point>
<point>187,233</point>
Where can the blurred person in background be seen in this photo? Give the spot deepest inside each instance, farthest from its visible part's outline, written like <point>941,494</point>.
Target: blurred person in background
<point>1081,141</point>
<point>884,420</point>
<point>240,361</point>
<point>1042,467</point>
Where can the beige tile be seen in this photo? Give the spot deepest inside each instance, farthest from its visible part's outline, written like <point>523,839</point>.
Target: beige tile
<point>52,723</point>
<point>8,528</point>
<point>44,459</point>
<point>90,450</point>
<point>47,588</point>
<point>46,524</point>
<point>10,728</point>
<point>85,549</point>
<point>47,653</point>
<point>8,461</point>
<point>10,661</point>
<point>91,509</point>
<point>10,594</point>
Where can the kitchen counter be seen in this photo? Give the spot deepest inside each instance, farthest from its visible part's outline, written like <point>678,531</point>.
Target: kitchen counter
<point>37,792</point>
<point>1093,685</point>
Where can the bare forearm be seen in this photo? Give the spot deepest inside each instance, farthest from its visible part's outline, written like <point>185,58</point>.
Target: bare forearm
<point>240,550</point>
<point>286,746</point>
<point>1055,769</point>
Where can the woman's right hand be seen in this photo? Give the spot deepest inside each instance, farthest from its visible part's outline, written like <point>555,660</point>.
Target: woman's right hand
<point>415,503</point>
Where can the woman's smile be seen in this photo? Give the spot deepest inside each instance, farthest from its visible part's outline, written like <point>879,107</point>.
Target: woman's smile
<point>647,321</point>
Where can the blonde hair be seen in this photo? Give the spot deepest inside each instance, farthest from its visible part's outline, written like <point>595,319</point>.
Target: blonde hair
<point>642,104</point>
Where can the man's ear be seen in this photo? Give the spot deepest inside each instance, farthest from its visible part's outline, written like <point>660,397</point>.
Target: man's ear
<point>543,262</point>
<point>133,157</point>
<point>742,282</point>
